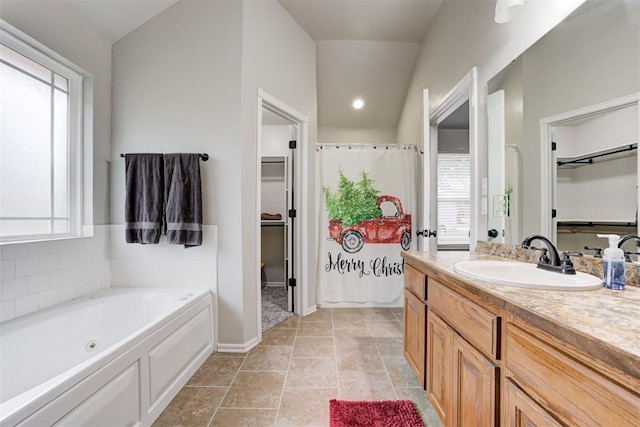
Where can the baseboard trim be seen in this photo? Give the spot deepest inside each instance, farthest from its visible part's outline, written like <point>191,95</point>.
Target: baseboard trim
<point>394,304</point>
<point>237,348</point>
<point>310,310</point>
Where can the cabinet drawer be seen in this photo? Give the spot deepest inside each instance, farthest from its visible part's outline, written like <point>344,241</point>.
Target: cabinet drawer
<point>575,393</point>
<point>473,323</point>
<point>415,281</point>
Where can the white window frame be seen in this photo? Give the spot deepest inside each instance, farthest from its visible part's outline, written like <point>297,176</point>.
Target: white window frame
<point>80,134</point>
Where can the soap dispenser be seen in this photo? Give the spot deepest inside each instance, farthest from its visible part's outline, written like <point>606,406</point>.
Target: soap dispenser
<point>613,274</point>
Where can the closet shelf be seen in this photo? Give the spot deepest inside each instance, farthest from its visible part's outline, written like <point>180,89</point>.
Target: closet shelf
<point>272,223</point>
<point>589,158</point>
<point>272,160</point>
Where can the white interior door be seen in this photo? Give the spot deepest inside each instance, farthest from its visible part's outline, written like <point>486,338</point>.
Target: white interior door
<point>496,167</point>
<point>428,227</point>
<point>288,247</point>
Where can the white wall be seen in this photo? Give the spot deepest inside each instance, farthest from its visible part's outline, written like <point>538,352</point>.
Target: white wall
<point>163,265</point>
<point>464,35</point>
<point>193,88</point>
<point>275,140</point>
<point>364,135</point>
<point>54,25</point>
<point>279,57</point>
<point>607,189</point>
<point>176,85</point>
<point>274,143</point>
<point>613,129</point>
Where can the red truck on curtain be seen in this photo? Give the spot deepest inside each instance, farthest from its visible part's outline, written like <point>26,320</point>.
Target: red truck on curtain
<point>393,226</point>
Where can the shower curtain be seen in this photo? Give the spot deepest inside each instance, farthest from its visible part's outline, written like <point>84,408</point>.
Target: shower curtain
<point>367,216</point>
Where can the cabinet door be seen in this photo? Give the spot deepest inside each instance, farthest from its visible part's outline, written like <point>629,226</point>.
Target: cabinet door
<point>474,388</point>
<point>521,411</point>
<point>574,391</point>
<point>415,335</point>
<point>439,366</point>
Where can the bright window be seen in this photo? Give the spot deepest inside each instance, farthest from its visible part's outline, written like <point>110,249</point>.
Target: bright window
<point>454,199</point>
<point>40,144</point>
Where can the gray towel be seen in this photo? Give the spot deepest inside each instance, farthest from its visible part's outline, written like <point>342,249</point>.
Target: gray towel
<point>144,198</point>
<point>183,199</point>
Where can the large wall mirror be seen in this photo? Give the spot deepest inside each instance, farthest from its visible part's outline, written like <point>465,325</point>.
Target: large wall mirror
<point>563,127</point>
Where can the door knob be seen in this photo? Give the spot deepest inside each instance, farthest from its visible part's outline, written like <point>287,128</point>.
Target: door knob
<point>493,233</point>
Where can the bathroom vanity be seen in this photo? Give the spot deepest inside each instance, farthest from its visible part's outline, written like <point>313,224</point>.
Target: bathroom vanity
<point>491,355</point>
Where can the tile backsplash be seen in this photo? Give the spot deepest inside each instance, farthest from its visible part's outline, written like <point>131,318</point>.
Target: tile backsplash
<point>40,274</point>
<point>164,265</point>
<point>37,275</point>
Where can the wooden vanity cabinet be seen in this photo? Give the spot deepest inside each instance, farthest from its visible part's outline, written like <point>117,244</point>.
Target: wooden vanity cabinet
<point>415,315</point>
<point>575,388</point>
<point>484,366</point>
<point>414,335</point>
<point>476,386</point>
<point>462,381</point>
<point>522,411</point>
<point>440,365</point>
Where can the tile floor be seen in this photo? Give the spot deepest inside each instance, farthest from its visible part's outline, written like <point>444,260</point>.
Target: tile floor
<point>288,380</point>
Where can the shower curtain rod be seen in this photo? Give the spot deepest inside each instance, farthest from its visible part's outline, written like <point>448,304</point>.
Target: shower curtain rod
<point>203,156</point>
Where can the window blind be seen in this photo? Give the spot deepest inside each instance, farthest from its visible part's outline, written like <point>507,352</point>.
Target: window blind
<point>454,198</point>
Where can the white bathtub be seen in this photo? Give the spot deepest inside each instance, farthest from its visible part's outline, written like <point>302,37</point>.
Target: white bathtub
<point>113,358</point>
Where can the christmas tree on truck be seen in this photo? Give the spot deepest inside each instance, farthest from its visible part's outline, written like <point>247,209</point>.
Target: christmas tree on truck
<point>356,215</point>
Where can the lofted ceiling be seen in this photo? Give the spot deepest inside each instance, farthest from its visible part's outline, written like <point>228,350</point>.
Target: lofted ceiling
<point>365,48</point>
<point>114,19</point>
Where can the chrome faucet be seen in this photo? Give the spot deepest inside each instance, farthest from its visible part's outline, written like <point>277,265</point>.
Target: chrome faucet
<point>552,262</point>
<point>627,255</point>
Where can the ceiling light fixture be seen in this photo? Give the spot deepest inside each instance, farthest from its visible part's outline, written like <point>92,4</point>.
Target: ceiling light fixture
<point>357,103</point>
<point>506,10</point>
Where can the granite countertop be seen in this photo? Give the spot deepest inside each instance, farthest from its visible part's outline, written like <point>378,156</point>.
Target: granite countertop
<point>603,323</point>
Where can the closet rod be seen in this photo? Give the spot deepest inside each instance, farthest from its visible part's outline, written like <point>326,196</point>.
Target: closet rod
<point>596,224</point>
<point>589,159</point>
<point>203,156</point>
<point>385,146</point>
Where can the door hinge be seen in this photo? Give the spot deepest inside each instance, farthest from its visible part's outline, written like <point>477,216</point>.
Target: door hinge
<point>292,144</point>
<point>554,146</point>
<point>292,213</point>
<point>292,282</point>
<point>554,213</point>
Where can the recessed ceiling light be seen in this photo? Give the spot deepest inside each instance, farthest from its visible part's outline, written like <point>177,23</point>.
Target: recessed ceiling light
<point>357,103</point>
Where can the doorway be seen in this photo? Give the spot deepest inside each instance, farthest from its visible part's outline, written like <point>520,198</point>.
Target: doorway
<point>280,227</point>
<point>592,150</point>
<point>459,105</point>
<point>275,203</point>
<point>453,192</point>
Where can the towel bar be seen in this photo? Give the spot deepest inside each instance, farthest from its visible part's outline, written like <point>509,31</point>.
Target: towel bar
<point>203,156</point>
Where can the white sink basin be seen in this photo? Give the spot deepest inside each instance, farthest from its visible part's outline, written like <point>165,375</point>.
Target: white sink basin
<point>524,275</point>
